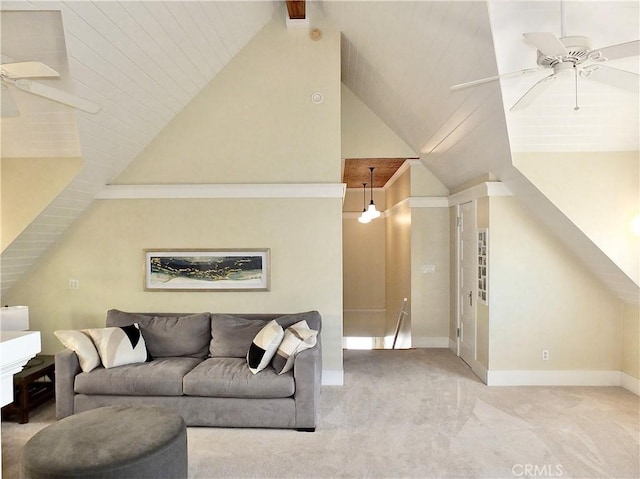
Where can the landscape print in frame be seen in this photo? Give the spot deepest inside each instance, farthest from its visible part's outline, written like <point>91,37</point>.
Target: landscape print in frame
<point>207,270</point>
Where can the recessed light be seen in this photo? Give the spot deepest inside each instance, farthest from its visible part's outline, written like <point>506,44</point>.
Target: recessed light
<point>317,97</point>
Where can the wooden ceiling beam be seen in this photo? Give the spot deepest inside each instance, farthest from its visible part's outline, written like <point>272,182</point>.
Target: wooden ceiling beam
<point>296,9</point>
<point>356,171</point>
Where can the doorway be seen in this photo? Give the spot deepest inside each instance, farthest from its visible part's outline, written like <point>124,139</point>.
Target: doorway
<point>466,294</point>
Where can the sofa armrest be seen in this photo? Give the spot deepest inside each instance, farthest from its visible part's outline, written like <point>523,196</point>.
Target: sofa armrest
<point>67,367</point>
<point>307,373</point>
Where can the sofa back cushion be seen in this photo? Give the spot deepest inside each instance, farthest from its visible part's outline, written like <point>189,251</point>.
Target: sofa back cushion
<point>232,334</point>
<point>311,317</point>
<point>169,335</point>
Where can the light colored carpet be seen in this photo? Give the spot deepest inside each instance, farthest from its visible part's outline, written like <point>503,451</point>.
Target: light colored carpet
<point>419,414</point>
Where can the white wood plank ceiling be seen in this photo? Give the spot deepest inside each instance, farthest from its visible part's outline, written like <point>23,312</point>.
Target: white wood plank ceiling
<point>43,128</point>
<point>401,58</point>
<point>143,61</point>
<point>607,119</point>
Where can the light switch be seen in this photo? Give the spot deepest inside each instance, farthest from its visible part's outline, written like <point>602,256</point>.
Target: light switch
<point>428,268</point>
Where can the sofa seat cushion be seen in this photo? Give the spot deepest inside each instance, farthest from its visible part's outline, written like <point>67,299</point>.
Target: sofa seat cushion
<point>160,377</point>
<point>230,377</point>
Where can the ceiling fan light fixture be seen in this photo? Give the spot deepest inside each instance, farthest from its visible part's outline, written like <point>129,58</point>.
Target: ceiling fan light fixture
<point>16,74</point>
<point>570,54</point>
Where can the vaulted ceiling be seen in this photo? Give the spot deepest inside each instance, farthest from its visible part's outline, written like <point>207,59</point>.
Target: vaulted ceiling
<point>143,61</point>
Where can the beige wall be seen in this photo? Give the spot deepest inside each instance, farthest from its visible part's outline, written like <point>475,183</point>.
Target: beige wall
<point>542,297</point>
<point>599,192</point>
<point>398,267</point>
<point>429,291</point>
<point>482,310</point>
<point>28,186</point>
<point>630,339</point>
<point>453,277</point>
<point>104,251</point>
<point>254,123</point>
<point>430,243</point>
<point>399,190</point>
<point>398,256</point>
<point>365,135</point>
<point>424,183</point>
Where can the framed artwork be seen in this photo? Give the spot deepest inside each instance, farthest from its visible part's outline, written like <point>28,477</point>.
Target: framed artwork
<point>206,270</point>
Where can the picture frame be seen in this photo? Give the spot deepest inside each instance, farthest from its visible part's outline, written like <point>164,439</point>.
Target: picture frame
<point>207,269</point>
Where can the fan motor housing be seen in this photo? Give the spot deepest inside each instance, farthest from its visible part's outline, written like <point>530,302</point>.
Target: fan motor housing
<point>578,49</point>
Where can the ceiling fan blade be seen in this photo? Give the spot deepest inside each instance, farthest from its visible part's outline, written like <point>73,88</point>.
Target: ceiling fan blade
<point>533,93</point>
<point>493,78</point>
<point>28,70</point>
<point>57,95</point>
<point>8,106</point>
<point>547,43</point>
<point>613,52</point>
<point>612,76</point>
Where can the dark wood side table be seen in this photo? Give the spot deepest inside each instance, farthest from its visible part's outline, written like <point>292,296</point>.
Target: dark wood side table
<point>31,389</point>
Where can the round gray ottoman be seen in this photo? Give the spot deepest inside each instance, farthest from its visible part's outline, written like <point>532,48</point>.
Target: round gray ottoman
<point>110,442</point>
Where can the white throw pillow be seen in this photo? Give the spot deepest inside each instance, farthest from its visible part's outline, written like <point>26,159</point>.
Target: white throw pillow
<point>297,338</point>
<point>264,346</point>
<point>80,343</point>
<point>119,345</point>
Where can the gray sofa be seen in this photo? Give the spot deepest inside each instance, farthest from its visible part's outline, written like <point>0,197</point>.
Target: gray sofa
<point>199,370</point>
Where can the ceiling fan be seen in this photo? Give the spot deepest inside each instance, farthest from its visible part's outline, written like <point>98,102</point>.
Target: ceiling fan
<point>570,55</point>
<point>18,74</point>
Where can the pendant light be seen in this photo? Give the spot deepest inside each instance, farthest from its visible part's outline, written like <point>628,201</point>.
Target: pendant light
<point>372,212</point>
<point>364,217</point>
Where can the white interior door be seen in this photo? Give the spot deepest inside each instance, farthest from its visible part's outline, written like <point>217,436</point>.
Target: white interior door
<point>467,282</point>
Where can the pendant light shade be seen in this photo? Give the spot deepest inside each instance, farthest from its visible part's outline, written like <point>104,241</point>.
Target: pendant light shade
<point>364,217</point>
<point>372,212</point>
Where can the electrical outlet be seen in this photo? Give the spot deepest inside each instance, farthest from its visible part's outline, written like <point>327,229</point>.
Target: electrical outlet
<point>545,355</point>
<point>74,284</point>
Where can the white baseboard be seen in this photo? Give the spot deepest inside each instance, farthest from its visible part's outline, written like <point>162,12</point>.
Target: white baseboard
<point>480,371</point>
<point>429,342</point>
<point>563,378</point>
<point>453,345</point>
<point>630,383</point>
<point>332,377</point>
